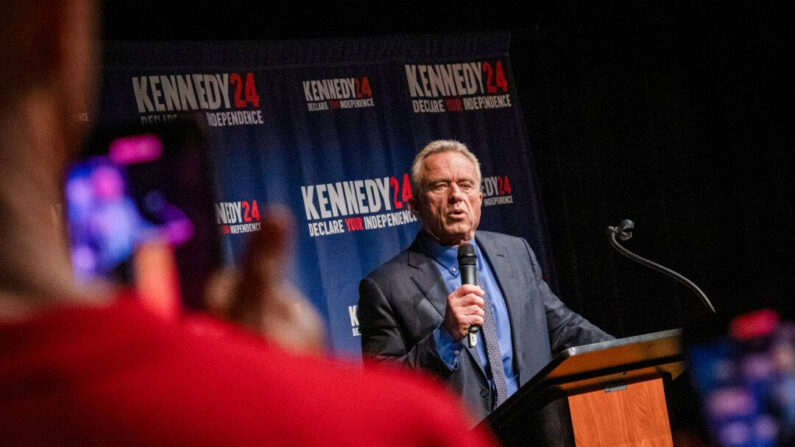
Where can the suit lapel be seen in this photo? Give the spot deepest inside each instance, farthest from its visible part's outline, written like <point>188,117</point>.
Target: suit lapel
<point>509,283</point>
<point>426,276</point>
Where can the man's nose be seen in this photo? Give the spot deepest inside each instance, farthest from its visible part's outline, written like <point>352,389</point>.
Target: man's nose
<point>455,193</point>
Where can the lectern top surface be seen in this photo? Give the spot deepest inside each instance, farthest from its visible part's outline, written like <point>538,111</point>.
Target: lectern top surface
<point>641,351</point>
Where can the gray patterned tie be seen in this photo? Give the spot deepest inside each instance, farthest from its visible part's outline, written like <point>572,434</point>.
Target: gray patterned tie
<point>494,355</point>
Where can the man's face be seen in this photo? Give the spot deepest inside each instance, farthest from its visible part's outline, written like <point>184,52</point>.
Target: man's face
<point>449,205</point>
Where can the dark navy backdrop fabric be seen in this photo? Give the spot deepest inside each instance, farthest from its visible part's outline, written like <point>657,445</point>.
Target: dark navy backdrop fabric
<point>310,133</point>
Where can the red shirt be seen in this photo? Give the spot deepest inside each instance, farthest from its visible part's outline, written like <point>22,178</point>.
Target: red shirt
<point>117,375</point>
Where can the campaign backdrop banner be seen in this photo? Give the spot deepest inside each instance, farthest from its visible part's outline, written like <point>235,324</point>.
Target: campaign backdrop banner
<point>329,129</point>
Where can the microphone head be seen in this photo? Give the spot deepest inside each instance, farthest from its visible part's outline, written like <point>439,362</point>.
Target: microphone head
<point>625,229</point>
<point>625,225</point>
<point>466,255</point>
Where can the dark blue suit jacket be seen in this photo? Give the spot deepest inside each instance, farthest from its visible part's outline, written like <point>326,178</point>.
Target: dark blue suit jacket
<point>404,300</point>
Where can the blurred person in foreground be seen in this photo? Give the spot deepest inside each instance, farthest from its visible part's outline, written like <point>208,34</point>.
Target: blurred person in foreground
<point>89,367</point>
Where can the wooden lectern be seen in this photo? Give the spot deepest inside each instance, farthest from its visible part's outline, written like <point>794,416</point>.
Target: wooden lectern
<point>614,391</point>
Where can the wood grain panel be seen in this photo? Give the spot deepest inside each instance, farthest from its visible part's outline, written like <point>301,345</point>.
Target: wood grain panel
<point>633,416</point>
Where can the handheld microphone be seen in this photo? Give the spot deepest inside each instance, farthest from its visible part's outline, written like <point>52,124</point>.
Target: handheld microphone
<point>468,266</point>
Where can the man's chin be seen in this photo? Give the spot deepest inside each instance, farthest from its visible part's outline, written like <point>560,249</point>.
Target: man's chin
<point>455,236</point>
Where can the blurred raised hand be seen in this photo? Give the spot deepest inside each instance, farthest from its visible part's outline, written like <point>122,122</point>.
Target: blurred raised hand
<point>259,297</point>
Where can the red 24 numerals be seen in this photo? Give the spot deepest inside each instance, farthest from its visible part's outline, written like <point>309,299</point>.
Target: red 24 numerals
<point>399,193</point>
<point>495,78</point>
<point>250,212</point>
<point>245,92</point>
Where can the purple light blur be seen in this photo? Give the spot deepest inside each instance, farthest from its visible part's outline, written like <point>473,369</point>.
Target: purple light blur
<point>136,149</point>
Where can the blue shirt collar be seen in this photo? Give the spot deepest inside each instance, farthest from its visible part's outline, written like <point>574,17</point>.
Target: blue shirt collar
<point>446,256</point>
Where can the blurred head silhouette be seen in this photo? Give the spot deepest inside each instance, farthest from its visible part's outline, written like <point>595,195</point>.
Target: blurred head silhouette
<point>47,74</point>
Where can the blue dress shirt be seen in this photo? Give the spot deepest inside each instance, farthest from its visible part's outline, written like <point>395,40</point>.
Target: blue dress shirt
<point>449,349</point>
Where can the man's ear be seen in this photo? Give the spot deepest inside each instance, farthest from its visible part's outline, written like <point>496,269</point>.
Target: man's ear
<point>414,206</point>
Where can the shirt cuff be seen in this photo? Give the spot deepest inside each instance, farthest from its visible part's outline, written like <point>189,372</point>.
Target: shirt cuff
<point>448,348</point>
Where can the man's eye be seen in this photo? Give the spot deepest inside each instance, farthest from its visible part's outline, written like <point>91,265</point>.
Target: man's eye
<point>441,186</point>
<point>465,186</point>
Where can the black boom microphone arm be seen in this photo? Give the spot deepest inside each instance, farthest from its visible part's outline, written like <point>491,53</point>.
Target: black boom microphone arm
<point>624,232</point>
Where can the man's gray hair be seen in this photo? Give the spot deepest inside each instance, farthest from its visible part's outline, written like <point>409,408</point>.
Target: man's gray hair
<point>436,147</point>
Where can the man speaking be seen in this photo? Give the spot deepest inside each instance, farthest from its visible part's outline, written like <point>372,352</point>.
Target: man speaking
<point>415,310</point>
